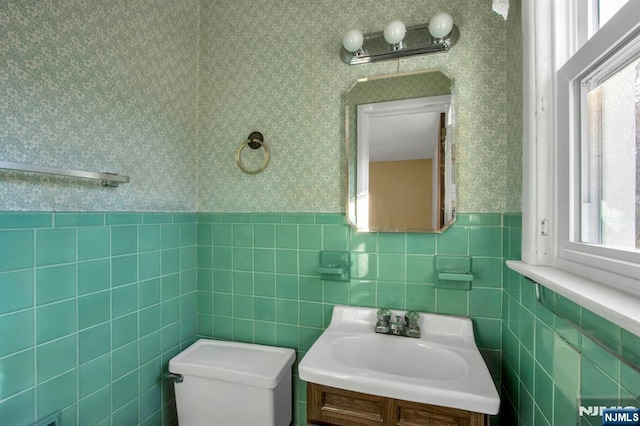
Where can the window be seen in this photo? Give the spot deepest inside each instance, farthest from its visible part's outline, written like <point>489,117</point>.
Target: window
<point>598,145</point>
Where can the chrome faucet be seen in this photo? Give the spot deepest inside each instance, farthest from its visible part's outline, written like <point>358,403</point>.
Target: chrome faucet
<point>409,327</point>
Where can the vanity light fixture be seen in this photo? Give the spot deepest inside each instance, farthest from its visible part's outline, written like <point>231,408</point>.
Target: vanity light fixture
<point>397,41</point>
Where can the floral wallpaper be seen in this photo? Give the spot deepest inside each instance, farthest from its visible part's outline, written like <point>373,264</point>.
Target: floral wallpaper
<point>274,66</point>
<point>165,91</point>
<point>99,86</point>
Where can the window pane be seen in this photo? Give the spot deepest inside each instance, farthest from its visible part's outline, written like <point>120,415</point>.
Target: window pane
<point>610,183</point>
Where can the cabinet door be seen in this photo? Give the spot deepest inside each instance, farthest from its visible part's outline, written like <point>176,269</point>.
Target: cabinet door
<point>414,414</point>
<point>327,405</point>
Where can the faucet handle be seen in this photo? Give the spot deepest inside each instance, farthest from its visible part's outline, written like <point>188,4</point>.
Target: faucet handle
<point>411,318</point>
<point>384,315</point>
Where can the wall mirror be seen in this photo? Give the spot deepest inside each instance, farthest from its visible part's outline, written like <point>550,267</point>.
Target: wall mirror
<point>399,141</point>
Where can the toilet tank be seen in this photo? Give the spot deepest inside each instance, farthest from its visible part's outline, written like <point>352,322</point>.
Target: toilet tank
<point>231,383</point>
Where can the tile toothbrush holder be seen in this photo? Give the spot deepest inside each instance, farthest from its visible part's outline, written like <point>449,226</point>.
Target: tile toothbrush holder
<point>454,273</point>
<point>335,266</point>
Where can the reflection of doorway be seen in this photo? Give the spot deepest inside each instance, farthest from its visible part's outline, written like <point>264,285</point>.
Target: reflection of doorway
<point>402,171</point>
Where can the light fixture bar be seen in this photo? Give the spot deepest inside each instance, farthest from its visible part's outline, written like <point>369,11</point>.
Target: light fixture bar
<point>418,41</point>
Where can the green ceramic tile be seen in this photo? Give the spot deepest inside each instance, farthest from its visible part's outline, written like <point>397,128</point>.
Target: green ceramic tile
<point>420,297</point>
<point>222,281</point>
<point>170,311</point>
<point>594,382</point>
<point>222,234</point>
<point>124,300</point>
<point>308,262</point>
<point>58,393</point>
<point>171,336</point>
<point>487,272</point>
<point>454,240</point>
<point>155,218</point>
<point>93,243</point>
<point>204,234</point>
<point>286,236</point>
<point>222,327</point>
<point>14,220</point>
<point>222,258</point>
<point>188,234</point>
<point>17,373</point>
<point>527,330</point>
<point>391,242</point>
<point>420,269</point>
<point>311,289</point>
<point>149,320</point>
<point>264,309</point>
<point>287,286</point>
<point>515,245</point>
<point>93,309</point>
<point>19,409</point>
<point>237,218</point>
<point>64,220</point>
<point>55,320</point>
<point>209,217</point>
<point>264,236</point>
<point>364,266</point>
<point>287,336</point>
<point>94,375</point>
<point>330,218</point>
<point>601,358</point>
<point>123,218</point>
<point>149,265</point>
<point>95,407</point>
<point>310,237</point>
<point>16,332</point>
<point>94,342</point>
<point>124,270</point>
<point>149,374</point>
<point>124,240</point>
<point>16,250</point>
<point>390,295</point>
<point>124,389</point>
<point>478,219</point>
<point>311,314</point>
<point>391,267</point>
<point>606,332</point>
<point>336,292</point>
<point>205,327</point>
<point>124,360</point>
<point>451,302</point>
<point>94,276</point>
<point>170,286</point>
<point>124,330</point>
<point>564,409</point>
<point>543,390</point>
<point>419,243</point>
<point>243,330</point>
<point>286,261</point>
<point>149,238</point>
<point>149,404</point>
<point>286,311</point>
<point>487,333</point>
<point>188,330</point>
<point>55,283</point>
<point>205,279</point>
<point>243,259</point>
<point>527,370</point>
<point>630,346</point>
<point>266,218</point>
<point>364,242</point>
<point>170,236</point>
<point>149,292</point>
<point>242,235</point>
<point>204,257</point>
<point>308,336</point>
<point>299,218</point>
<point>485,241</point>
<point>17,290</point>
<point>361,293</point>
<point>243,283</point>
<point>566,367</point>
<point>485,302</point>
<point>149,347</point>
<point>170,261</point>
<point>265,333</point>
<point>335,238</point>
<point>184,218</point>
<point>243,306</point>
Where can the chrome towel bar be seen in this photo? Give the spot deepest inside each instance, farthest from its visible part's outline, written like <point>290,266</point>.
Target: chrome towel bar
<point>108,179</point>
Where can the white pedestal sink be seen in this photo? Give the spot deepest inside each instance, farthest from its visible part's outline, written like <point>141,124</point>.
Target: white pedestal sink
<point>442,367</point>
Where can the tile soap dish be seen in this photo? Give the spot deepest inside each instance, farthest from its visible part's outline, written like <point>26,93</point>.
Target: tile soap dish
<point>334,266</point>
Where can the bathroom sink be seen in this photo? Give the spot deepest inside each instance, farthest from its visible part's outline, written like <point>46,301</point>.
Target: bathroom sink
<point>442,367</point>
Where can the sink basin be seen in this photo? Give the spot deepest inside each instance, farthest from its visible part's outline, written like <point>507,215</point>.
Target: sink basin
<point>442,367</point>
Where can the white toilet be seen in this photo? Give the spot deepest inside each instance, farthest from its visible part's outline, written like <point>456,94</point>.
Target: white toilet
<point>230,383</point>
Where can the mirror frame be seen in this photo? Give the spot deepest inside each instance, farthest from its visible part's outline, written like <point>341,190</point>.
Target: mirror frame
<point>354,171</point>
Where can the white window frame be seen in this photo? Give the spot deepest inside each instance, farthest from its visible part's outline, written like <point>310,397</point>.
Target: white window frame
<point>605,281</point>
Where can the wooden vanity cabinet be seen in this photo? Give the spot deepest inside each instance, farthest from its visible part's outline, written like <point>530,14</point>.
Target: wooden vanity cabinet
<point>332,406</point>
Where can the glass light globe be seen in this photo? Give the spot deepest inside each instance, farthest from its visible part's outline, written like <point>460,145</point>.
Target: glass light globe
<point>352,41</point>
<point>394,32</point>
<point>440,25</point>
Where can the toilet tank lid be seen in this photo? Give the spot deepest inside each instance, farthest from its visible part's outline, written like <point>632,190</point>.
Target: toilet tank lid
<point>245,363</point>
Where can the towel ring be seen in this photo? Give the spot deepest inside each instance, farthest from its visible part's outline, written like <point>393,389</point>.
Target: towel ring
<point>254,141</point>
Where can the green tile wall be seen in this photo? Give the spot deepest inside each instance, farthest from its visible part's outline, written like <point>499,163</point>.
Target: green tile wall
<point>547,364</point>
<point>257,281</point>
<point>92,307</point>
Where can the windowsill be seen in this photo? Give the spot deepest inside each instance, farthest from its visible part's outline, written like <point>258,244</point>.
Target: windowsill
<point>611,304</point>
